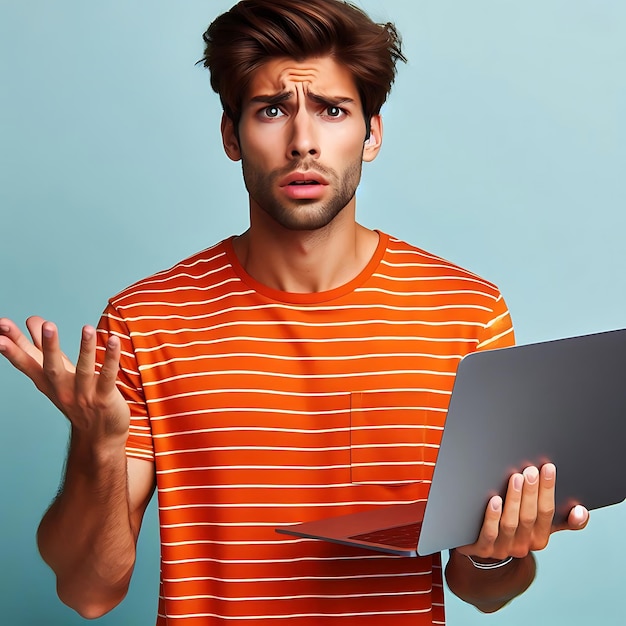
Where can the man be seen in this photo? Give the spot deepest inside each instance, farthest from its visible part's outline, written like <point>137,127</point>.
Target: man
<point>281,375</point>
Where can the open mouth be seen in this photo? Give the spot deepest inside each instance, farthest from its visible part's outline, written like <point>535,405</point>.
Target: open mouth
<point>303,182</point>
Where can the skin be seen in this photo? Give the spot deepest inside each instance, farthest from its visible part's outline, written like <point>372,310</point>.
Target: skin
<point>89,533</point>
<point>517,527</point>
<point>312,110</point>
<point>300,120</point>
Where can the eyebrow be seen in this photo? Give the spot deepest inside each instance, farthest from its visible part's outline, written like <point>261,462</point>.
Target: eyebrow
<point>276,98</point>
<point>283,96</point>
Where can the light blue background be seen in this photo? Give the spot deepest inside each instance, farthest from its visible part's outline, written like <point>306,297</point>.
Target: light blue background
<point>504,151</point>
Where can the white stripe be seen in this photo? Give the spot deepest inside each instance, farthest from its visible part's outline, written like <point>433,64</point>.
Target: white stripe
<point>252,525</point>
<point>491,340</point>
<point>398,464</point>
<point>250,448</point>
<point>276,357</point>
<point>259,374</point>
<point>424,293</point>
<point>186,263</point>
<point>192,303</point>
<point>304,431</point>
<point>236,409</point>
<point>297,340</point>
<point>419,279</point>
<point>194,468</point>
<point>211,373</point>
<point>138,290</point>
<point>258,618</point>
<point>278,505</point>
<point>279,306</point>
<point>303,559</point>
<point>298,578</point>
<point>272,486</point>
<point>208,542</point>
<point>298,597</point>
<point>272,411</point>
<point>293,323</point>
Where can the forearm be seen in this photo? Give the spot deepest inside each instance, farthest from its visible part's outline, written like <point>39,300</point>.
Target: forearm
<point>489,590</point>
<point>86,536</point>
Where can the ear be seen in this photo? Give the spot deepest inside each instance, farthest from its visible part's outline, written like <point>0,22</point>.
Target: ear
<point>229,138</point>
<point>375,141</point>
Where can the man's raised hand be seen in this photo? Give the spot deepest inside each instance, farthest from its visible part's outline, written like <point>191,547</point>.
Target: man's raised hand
<point>90,400</point>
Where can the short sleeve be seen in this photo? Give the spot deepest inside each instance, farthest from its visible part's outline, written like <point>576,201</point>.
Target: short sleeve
<point>139,444</point>
<point>498,331</point>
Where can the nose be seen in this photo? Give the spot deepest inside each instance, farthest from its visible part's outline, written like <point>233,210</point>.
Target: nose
<point>303,141</point>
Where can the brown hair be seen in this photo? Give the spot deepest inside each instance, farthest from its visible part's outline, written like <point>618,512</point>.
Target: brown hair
<point>239,41</point>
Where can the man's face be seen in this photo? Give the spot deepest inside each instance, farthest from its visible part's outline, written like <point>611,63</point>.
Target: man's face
<point>301,141</point>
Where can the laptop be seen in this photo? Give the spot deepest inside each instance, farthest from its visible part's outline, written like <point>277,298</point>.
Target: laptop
<point>560,401</point>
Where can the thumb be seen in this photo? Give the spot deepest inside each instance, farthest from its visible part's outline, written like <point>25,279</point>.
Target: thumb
<point>577,519</point>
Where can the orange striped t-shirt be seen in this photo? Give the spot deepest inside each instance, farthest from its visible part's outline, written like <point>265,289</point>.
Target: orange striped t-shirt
<point>261,408</point>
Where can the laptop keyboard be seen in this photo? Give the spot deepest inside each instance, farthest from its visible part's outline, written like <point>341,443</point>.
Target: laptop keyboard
<point>398,536</point>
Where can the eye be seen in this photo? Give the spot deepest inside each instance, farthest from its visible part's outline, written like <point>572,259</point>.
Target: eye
<point>271,112</point>
<point>333,111</point>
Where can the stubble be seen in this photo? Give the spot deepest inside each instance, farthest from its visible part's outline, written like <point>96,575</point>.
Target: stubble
<point>302,214</point>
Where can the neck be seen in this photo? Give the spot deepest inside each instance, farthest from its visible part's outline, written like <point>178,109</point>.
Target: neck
<point>305,261</point>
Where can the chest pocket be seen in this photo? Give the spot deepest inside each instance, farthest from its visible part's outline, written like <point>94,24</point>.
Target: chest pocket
<point>393,439</point>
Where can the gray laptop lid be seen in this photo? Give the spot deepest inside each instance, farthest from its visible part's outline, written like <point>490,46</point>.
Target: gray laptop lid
<point>562,401</point>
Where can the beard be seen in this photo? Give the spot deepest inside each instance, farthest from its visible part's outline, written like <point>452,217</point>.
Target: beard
<point>302,214</point>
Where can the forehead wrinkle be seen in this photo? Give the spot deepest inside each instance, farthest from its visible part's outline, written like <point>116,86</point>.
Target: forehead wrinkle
<point>294,79</point>
<point>299,75</point>
<point>306,78</point>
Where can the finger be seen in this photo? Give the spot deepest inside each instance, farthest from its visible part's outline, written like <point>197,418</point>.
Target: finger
<point>488,536</point>
<point>85,366</point>
<point>528,507</point>
<point>110,366</point>
<point>53,363</point>
<point>509,522</point>
<point>5,329</point>
<point>35,325</point>
<point>12,344</point>
<point>545,505</point>
<point>15,336</point>
<point>578,518</point>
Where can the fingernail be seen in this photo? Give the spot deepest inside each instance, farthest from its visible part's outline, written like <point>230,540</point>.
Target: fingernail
<point>47,332</point>
<point>496,503</point>
<point>518,482</point>
<point>579,514</point>
<point>4,329</point>
<point>531,474</point>
<point>549,471</point>
<point>87,333</point>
